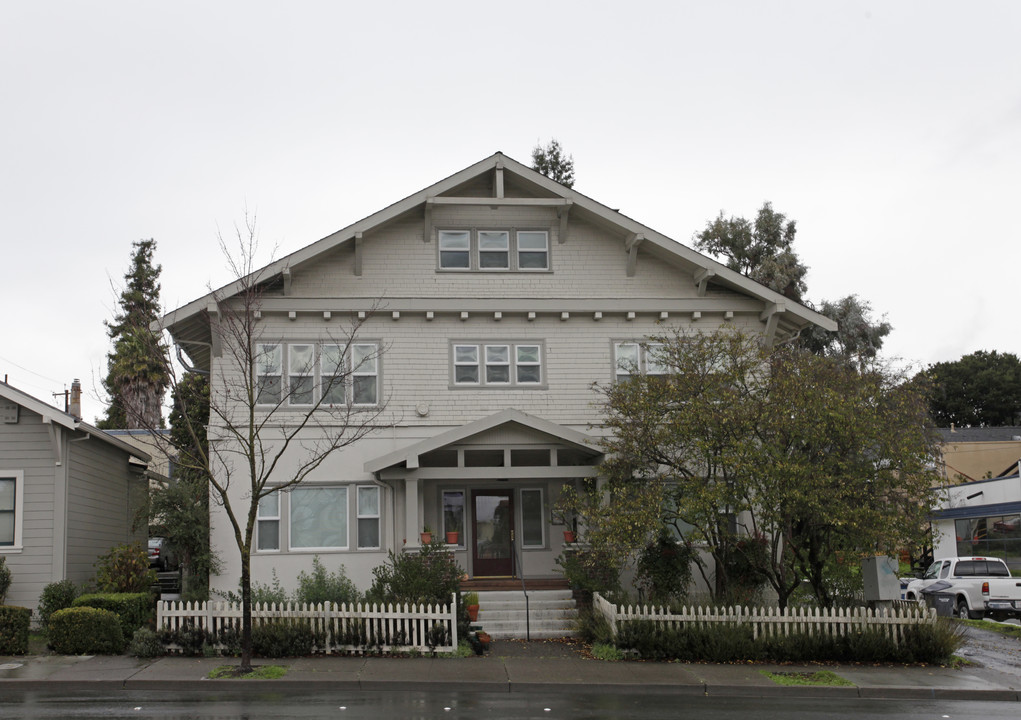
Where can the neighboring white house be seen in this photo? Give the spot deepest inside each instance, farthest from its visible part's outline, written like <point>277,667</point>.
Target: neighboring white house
<point>502,297</point>
<point>980,518</point>
<point>68,493</point>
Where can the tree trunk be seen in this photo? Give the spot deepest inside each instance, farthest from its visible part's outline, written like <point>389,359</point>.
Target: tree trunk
<point>246,612</point>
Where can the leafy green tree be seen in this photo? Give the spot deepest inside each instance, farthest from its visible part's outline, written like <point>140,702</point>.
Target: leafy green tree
<point>179,505</point>
<point>739,441</point>
<point>552,162</point>
<point>136,378</point>
<point>764,251</point>
<point>983,388</point>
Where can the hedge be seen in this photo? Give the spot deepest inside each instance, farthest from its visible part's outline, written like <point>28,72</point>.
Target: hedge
<point>135,610</point>
<point>14,622</point>
<point>85,631</point>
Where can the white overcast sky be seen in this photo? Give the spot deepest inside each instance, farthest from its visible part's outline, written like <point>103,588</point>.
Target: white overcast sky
<point>890,131</point>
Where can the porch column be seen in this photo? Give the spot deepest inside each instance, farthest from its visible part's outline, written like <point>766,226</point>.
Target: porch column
<point>412,518</point>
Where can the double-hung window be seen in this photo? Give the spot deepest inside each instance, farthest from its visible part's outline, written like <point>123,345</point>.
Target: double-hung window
<point>494,250</point>
<point>331,375</point>
<point>267,529</point>
<point>301,374</point>
<point>632,358</point>
<point>364,374</point>
<point>268,373</point>
<point>497,364</point>
<point>368,517</point>
<point>11,504</point>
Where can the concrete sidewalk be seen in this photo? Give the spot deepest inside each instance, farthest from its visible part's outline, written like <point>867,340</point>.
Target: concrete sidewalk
<point>511,666</point>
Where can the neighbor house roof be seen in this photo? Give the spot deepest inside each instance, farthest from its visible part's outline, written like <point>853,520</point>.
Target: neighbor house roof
<point>1006,433</point>
<point>54,416</point>
<point>189,323</point>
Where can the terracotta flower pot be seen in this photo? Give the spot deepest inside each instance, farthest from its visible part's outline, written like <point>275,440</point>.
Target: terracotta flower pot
<point>570,536</point>
<point>473,613</point>
<point>427,537</point>
<point>452,537</point>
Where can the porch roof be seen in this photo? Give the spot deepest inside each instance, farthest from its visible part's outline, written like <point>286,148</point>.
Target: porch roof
<point>409,456</point>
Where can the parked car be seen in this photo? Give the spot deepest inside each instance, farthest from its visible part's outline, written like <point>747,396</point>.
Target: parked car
<point>161,554</point>
<point>964,577</point>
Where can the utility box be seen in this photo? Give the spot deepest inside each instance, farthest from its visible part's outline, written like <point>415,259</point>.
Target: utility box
<point>880,576</point>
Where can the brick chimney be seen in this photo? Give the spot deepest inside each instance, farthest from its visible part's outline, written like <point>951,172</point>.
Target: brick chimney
<point>74,407</point>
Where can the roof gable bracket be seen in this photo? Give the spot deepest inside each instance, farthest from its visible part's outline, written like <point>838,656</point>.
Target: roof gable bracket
<point>428,232</point>
<point>358,254</point>
<point>771,316</point>
<point>498,185</point>
<point>702,278</point>
<point>631,243</point>
<point>286,274</point>
<point>56,437</point>
<point>562,213</point>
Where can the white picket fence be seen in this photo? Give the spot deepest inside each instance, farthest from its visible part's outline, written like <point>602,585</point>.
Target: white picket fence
<point>768,622</point>
<point>356,628</point>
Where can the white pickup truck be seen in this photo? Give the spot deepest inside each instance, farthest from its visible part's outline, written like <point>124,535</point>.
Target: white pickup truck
<point>969,580</point>
<point>1002,597</point>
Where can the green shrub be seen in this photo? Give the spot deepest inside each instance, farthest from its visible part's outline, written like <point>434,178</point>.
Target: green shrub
<point>283,639</point>
<point>664,568</point>
<point>85,631</point>
<point>14,623</point>
<point>145,643</point>
<point>5,579</point>
<point>430,576</point>
<point>592,627</point>
<point>262,593</point>
<point>125,569</point>
<point>135,610</point>
<point>320,586</point>
<point>720,643</point>
<point>56,596</point>
<point>190,638</point>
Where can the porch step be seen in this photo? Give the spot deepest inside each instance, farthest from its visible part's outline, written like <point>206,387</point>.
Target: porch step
<point>551,614</point>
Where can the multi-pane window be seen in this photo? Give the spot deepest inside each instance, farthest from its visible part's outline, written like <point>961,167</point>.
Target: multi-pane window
<point>317,373</point>
<point>631,358</point>
<point>497,364</point>
<point>318,518</point>
<point>368,517</point>
<point>8,505</point>
<point>267,529</point>
<point>300,374</point>
<point>532,518</point>
<point>494,250</point>
<point>268,371</point>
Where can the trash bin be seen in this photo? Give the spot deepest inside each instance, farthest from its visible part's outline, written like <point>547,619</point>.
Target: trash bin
<point>936,597</point>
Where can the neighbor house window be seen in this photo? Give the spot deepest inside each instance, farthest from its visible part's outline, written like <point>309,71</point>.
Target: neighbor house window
<point>533,521</point>
<point>268,371</point>
<point>368,517</point>
<point>267,529</point>
<point>497,364</point>
<point>494,250</point>
<point>318,518</point>
<point>300,372</point>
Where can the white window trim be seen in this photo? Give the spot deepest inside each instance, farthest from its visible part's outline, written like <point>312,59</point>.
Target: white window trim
<point>507,349</point>
<point>372,367</point>
<point>347,519</point>
<point>513,250</point>
<point>19,510</point>
<point>378,517</point>
<point>360,371</point>
<point>542,518</point>
<point>642,350</point>
<point>462,540</point>
<point>278,375</point>
<point>506,251</point>
<point>481,351</point>
<point>309,371</point>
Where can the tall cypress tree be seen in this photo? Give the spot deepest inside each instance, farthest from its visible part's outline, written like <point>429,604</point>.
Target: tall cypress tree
<point>136,378</point>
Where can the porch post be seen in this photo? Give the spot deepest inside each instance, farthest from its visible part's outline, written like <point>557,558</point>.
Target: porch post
<point>412,519</point>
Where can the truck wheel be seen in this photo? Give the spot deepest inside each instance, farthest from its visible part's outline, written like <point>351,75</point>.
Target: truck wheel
<point>962,609</point>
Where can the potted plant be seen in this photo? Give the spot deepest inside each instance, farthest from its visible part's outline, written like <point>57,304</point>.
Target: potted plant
<point>452,537</point>
<point>471,603</point>
<point>427,535</point>
<point>484,639</point>
<point>570,536</point>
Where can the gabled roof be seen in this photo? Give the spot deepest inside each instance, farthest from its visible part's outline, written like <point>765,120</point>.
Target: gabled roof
<point>54,416</point>
<point>409,456</point>
<point>189,322</point>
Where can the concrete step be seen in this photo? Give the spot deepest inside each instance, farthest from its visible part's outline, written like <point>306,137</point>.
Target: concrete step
<point>549,614</point>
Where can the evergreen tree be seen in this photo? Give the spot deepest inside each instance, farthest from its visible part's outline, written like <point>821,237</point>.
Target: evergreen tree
<point>553,163</point>
<point>136,378</point>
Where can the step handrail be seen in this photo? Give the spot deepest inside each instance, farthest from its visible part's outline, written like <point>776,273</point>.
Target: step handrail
<point>521,574</point>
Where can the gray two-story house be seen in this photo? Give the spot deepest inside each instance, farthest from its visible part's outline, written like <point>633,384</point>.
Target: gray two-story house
<point>492,300</point>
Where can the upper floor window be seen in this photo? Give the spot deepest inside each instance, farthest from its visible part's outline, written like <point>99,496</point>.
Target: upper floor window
<point>494,250</point>
<point>328,373</point>
<point>631,358</point>
<point>497,364</point>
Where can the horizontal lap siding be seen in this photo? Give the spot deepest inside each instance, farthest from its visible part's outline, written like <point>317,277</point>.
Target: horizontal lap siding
<point>26,446</point>
<point>100,511</point>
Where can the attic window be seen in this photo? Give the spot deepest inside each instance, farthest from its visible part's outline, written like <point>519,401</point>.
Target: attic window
<point>494,250</point>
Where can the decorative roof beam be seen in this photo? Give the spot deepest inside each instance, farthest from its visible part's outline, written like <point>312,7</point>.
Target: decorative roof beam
<point>358,254</point>
<point>521,202</point>
<point>286,274</point>
<point>771,316</point>
<point>702,278</point>
<point>562,213</point>
<point>631,243</point>
<point>499,180</point>
<point>427,233</point>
